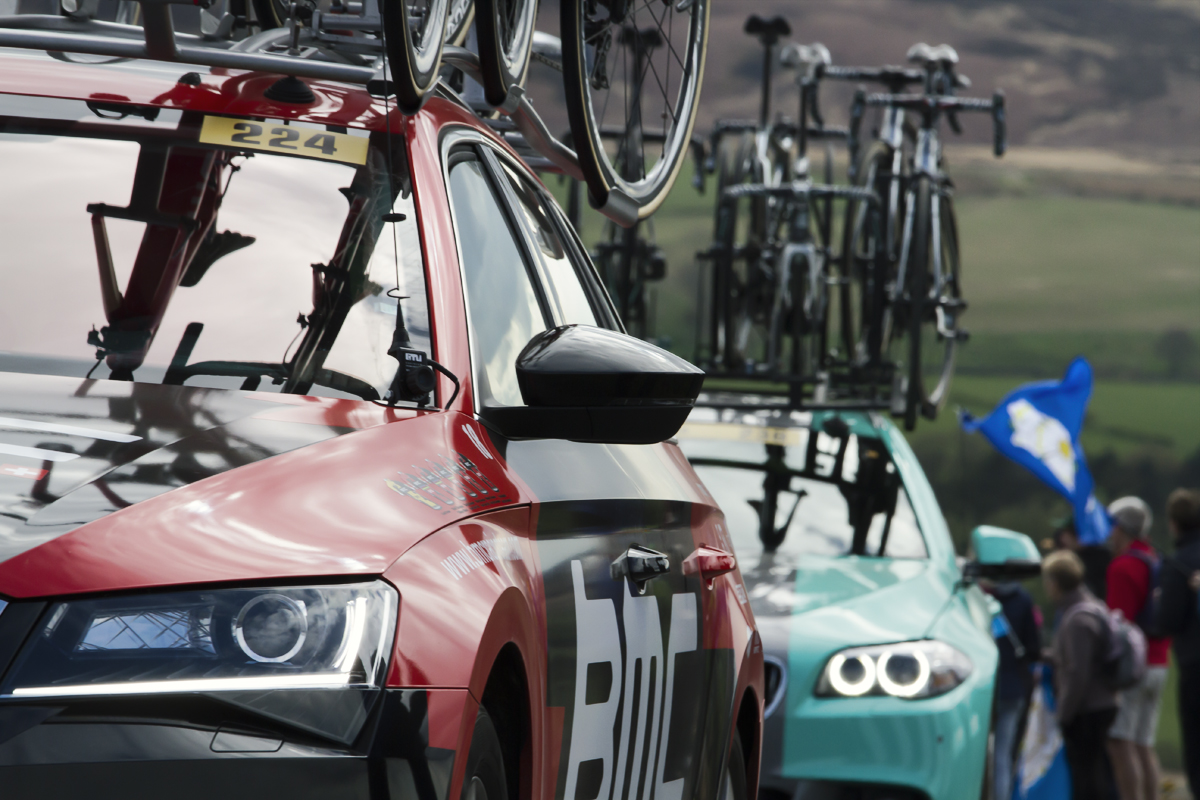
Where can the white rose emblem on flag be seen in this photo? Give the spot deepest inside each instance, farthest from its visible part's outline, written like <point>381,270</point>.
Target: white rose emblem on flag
<point>1046,438</point>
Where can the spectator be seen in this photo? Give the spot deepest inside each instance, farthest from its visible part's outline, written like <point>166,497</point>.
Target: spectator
<point>1019,645</point>
<point>1095,557</point>
<point>1131,583</point>
<point>1086,706</point>
<point>1179,616</point>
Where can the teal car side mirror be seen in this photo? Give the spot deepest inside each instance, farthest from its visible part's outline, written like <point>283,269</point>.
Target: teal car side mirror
<point>1002,555</point>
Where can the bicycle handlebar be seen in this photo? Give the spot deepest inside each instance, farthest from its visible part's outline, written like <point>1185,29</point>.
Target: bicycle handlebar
<point>943,104</point>
<point>892,76</point>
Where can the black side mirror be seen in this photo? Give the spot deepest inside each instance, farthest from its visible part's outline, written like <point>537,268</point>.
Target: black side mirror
<point>593,385</point>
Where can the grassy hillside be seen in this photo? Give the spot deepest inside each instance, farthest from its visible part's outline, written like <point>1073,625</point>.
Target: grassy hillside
<point>1048,277</point>
<point>1073,263</point>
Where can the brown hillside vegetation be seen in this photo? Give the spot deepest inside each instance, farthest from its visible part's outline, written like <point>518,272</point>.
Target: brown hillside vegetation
<point>1111,74</point>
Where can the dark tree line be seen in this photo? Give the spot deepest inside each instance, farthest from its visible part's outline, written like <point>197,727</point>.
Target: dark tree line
<point>976,485</point>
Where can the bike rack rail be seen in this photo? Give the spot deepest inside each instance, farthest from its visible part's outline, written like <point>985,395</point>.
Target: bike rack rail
<point>157,40</point>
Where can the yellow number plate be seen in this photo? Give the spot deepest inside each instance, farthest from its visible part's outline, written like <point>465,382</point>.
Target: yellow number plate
<point>288,139</point>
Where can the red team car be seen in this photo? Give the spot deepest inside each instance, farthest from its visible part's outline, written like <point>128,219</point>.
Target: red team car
<point>326,469</point>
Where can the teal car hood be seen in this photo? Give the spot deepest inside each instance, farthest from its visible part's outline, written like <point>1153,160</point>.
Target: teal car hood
<point>817,605</point>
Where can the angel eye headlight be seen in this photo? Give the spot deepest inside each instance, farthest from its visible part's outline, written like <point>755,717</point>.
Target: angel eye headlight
<point>909,670</point>
<point>271,628</point>
<point>256,648</point>
<point>853,676</point>
<point>903,674</point>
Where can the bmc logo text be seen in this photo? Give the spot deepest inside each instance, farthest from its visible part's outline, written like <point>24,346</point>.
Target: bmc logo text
<point>597,643</point>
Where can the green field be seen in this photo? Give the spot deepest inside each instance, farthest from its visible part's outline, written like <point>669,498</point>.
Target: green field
<point>1079,264</point>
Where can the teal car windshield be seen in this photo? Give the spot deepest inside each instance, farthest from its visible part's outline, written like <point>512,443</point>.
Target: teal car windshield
<point>828,497</point>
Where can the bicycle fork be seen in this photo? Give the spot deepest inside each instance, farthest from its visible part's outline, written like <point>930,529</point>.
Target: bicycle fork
<point>811,311</point>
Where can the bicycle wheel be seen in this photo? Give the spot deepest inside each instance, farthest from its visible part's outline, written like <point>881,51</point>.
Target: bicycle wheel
<point>735,163</point>
<point>414,35</point>
<point>800,314</point>
<point>618,56</point>
<point>458,25</point>
<point>942,328</point>
<point>934,303</point>
<point>743,291</point>
<point>505,29</point>
<point>863,262</point>
<point>271,13</point>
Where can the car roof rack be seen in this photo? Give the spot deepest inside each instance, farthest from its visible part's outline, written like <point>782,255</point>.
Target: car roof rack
<point>157,40</point>
<point>839,388</point>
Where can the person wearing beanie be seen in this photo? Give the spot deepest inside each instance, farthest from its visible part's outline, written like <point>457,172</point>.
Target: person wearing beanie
<point>1130,582</point>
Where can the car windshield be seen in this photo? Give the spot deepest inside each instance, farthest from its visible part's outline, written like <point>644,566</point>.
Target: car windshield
<point>790,493</point>
<point>160,245</point>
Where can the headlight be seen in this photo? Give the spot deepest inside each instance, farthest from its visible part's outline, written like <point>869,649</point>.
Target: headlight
<point>311,656</point>
<point>910,670</point>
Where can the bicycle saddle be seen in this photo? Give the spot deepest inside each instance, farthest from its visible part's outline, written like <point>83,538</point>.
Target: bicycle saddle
<point>768,31</point>
<point>795,55</point>
<point>922,53</point>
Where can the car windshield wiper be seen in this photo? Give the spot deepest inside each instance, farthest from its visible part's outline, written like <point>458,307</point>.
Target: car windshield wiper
<point>254,371</point>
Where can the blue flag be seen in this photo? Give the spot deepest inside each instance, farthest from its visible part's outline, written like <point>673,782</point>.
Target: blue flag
<point>1038,426</point>
<point>1042,772</point>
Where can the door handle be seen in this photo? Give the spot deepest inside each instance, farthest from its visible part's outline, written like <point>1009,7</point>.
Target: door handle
<point>709,563</point>
<point>640,565</point>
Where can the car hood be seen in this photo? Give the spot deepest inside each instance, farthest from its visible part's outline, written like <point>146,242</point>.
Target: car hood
<point>818,605</point>
<point>111,485</point>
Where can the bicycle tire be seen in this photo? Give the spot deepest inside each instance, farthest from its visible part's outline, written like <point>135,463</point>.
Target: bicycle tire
<point>589,32</point>
<point>461,14</point>
<point>617,258</point>
<point>920,399</point>
<point>414,53</point>
<point>505,35</point>
<point>863,260</point>
<point>270,13</point>
<point>746,299</point>
<point>807,356</point>
<point>731,170</point>
<point>940,352</point>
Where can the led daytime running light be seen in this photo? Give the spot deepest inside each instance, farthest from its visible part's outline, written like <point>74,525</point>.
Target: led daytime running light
<point>329,680</point>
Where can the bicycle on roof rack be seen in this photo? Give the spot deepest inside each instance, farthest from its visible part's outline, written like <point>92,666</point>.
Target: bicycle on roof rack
<point>771,262</point>
<point>628,258</point>
<point>877,323</point>
<point>904,296</point>
<point>399,49</point>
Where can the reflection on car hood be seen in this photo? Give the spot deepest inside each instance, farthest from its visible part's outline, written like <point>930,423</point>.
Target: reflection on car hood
<point>107,485</point>
<point>831,602</point>
<point>74,451</point>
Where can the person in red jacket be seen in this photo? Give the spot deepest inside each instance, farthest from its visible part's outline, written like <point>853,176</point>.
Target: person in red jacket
<point>1129,583</point>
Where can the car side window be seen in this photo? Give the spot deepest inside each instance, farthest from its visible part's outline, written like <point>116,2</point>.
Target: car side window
<point>566,287</point>
<point>503,309</point>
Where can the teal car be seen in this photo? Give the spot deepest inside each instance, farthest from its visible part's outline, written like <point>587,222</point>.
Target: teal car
<point>880,657</point>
